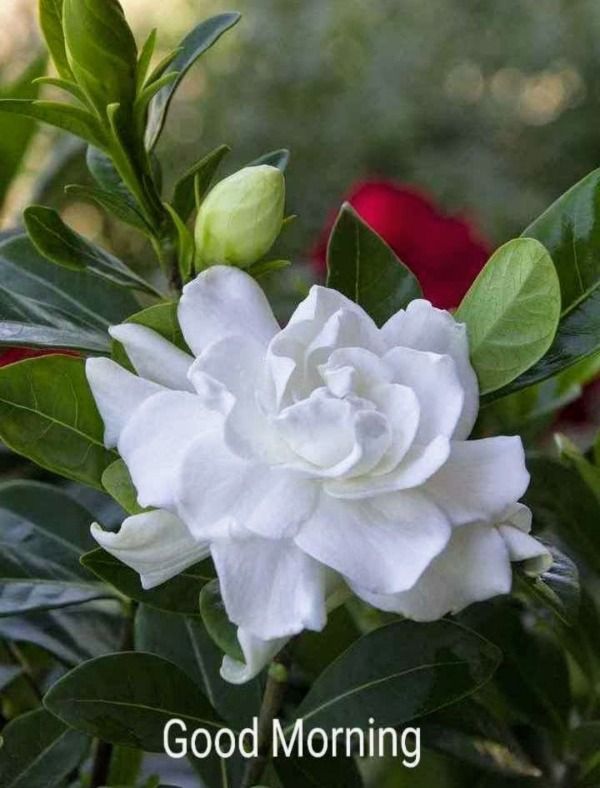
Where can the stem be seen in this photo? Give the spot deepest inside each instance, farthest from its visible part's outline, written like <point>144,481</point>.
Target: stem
<point>101,765</point>
<point>272,701</point>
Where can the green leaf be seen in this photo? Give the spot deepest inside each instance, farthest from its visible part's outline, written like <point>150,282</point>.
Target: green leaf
<point>571,455</point>
<point>51,24</point>
<point>23,596</point>
<point>16,132</point>
<point>48,414</point>
<point>275,158</point>
<point>137,693</point>
<point>63,246</point>
<point>45,305</point>
<point>185,242</point>
<point>67,117</point>
<point>43,532</point>
<point>161,318</point>
<point>193,186</point>
<point>264,267</point>
<point>570,231</point>
<point>365,269</point>
<point>117,482</point>
<point>178,595</point>
<point>191,48</point>
<point>562,502</point>
<point>39,751</point>
<point>511,311</point>
<point>184,641</point>
<point>398,673</point>
<point>145,58</point>
<point>216,621</point>
<point>112,203</point>
<point>63,84</point>
<point>556,590</point>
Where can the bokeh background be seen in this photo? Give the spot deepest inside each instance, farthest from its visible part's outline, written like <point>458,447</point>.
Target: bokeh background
<point>491,108</point>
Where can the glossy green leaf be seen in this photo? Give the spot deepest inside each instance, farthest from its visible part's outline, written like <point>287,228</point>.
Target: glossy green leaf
<point>397,673</point>
<point>63,84</point>
<point>45,305</point>
<point>264,267</point>
<point>138,694</point>
<point>191,48</point>
<point>113,203</point>
<point>51,24</point>
<point>511,311</point>
<point>191,188</point>
<point>58,243</point>
<point>275,158</point>
<point>186,246</point>
<point>570,231</point>
<point>16,132</point>
<point>365,269</point>
<point>43,532</point>
<point>562,502</point>
<point>184,641</point>
<point>23,596</point>
<point>39,751</point>
<point>67,117</point>
<point>216,621</point>
<point>48,414</point>
<point>116,480</point>
<point>178,595</point>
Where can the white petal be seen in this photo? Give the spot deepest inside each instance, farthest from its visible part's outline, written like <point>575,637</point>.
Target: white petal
<point>382,545</point>
<point>435,381</point>
<point>153,357</point>
<point>269,586</point>
<point>522,547</point>
<point>474,566</point>
<point>155,440</point>
<point>118,393</point>
<point>257,655</point>
<point>418,465</point>
<point>423,327</point>
<point>480,479</point>
<point>400,406</point>
<point>215,485</point>
<point>354,371</point>
<point>221,301</point>
<point>156,544</point>
<point>321,303</point>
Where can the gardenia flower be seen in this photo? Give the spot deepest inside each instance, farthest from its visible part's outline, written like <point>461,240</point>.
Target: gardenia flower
<point>327,452</point>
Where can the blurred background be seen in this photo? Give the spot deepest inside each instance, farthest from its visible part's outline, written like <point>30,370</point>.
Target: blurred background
<point>489,108</point>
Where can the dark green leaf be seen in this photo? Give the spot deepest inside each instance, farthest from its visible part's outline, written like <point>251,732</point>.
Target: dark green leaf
<point>363,267</point>
<point>8,673</point>
<point>561,501</point>
<point>313,651</point>
<point>63,246</point>
<point>43,532</point>
<point>67,117</point>
<point>570,231</point>
<point>48,414</point>
<point>178,595</point>
<point>398,673</point>
<point>137,694</point>
<point>51,24</point>
<point>511,311</point>
<point>275,158</point>
<point>117,482</point>
<point>184,641</point>
<point>192,187</point>
<point>191,48</point>
<point>217,622</point>
<point>24,596</point>
<point>39,751</point>
<point>16,132</point>
<point>45,305</point>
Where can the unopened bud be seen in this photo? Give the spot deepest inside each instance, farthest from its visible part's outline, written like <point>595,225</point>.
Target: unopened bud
<point>241,217</point>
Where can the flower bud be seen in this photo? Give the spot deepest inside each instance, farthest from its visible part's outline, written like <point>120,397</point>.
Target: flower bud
<point>241,217</point>
<point>101,51</point>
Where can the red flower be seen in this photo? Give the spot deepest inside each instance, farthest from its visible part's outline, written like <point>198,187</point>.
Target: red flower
<point>445,252</point>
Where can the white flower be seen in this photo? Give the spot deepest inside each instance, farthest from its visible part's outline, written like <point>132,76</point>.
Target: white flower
<point>327,445</point>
